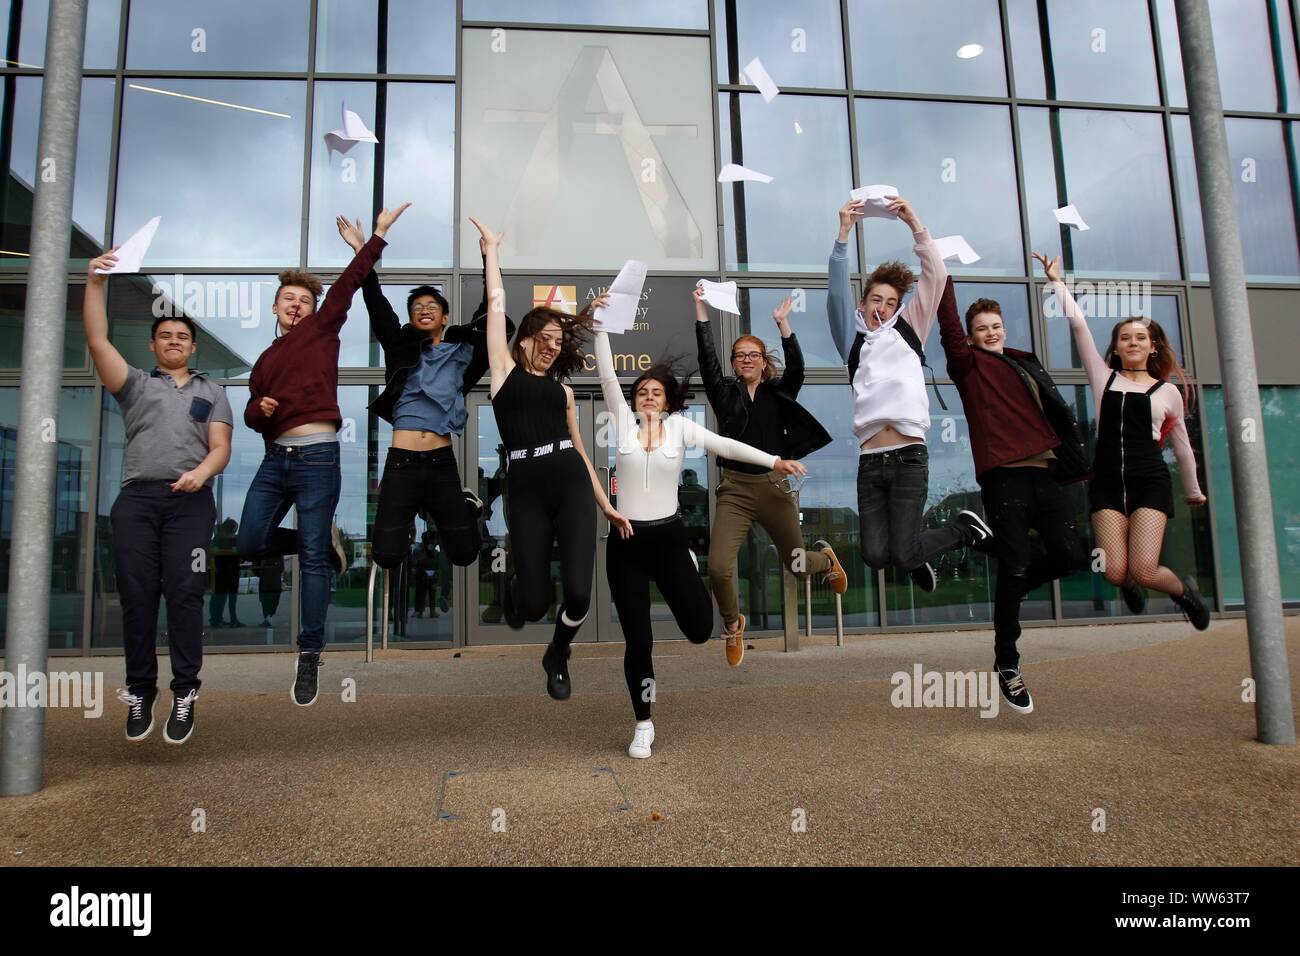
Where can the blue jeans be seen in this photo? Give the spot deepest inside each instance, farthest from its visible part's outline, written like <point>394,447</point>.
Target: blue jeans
<point>308,478</point>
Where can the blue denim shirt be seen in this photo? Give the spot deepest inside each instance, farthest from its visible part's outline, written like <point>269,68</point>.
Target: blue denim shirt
<point>431,400</point>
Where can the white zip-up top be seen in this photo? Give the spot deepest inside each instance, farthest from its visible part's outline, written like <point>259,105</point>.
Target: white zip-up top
<point>889,384</point>
<point>647,481</point>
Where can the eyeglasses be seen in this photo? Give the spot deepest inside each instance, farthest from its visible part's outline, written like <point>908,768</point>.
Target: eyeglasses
<point>431,307</point>
<point>746,356</point>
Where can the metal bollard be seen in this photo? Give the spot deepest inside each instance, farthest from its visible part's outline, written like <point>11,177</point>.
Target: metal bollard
<point>839,620</point>
<point>807,606</point>
<point>370,614</point>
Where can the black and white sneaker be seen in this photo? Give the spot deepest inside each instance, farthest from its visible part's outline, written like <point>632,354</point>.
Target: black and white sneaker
<point>556,664</point>
<point>1135,597</point>
<point>978,533</point>
<point>923,577</point>
<point>475,502</point>
<point>338,558</point>
<point>1014,691</point>
<point>306,684</point>
<point>180,725</point>
<point>139,714</point>
<point>1193,604</point>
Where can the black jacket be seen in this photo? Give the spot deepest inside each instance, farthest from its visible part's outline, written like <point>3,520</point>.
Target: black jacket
<point>803,433</point>
<point>402,344</point>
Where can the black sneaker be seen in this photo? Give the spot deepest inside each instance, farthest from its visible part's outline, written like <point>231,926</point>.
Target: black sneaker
<point>180,725</point>
<point>305,685</point>
<point>1014,691</point>
<point>1193,604</point>
<point>978,533</point>
<point>139,714</point>
<point>556,664</point>
<point>923,577</point>
<point>475,502</point>
<point>337,556</point>
<point>1135,597</point>
<point>509,614</point>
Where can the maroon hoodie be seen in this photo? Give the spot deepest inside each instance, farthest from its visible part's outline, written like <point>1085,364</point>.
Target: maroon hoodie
<point>300,369</point>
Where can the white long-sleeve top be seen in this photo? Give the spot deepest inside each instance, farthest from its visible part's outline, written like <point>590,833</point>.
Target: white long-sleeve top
<point>1167,415</point>
<point>647,481</point>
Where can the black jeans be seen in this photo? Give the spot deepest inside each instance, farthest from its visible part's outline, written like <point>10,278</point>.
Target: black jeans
<point>892,488</point>
<point>1016,501</point>
<point>160,543</point>
<point>427,481</point>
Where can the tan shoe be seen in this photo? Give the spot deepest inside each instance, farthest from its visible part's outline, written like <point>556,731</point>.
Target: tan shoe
<point>835,577</point>
<point>736,643</point>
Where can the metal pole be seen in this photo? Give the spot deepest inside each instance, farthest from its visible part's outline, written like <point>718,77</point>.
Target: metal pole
<point>22,744</point>
<point>807,606</point>
<point>1274,720</point>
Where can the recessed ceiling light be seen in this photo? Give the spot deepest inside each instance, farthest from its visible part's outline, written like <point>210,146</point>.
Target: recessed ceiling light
<point>969,51</point>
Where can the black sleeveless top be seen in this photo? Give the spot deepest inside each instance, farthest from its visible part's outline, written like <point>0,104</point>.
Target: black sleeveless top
<point>530,409</point>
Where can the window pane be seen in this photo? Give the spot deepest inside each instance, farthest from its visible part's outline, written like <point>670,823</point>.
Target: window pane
<point>13,309</point>
<point>226,181</point>
<point>1012,297</point>
<point>71,499</point>
<point>589,149</point>
<point>341,183</point>
<point>1186,548</point>
<point>684,14</point>
<point>1104,304</point>
<point>1262,183</point>
<point>234,35</point>
<point>798,44</point>
<point>928,46</point>
<point>1098,52</point>
<point>358,458</point>
<point>90,186</point>
<point>967,579</point>
<point>419,167</point>
<point>1114,169</point>
<point>809,325</point>
<point>28,47</point>
<point>955,163</point>
<point>1249,36</point>
<point>421,37</point>
<point>788,225</point>
<point>1281,407</point>
<point>828,507</point>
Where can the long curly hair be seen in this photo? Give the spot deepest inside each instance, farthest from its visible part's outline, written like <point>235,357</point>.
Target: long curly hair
<point>576,331</point>
<point>1161,363</point>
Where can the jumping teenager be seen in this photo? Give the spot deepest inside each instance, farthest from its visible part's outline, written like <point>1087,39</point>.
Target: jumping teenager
<point>551,486</point>
<point>883,347</point>
<point>1026,445</point>
<point>652,441</point>
<point>1131,496</point>
<point>429,368</point>
<point>293,404</point>
<point>757,407</point>
<point>178,426</point>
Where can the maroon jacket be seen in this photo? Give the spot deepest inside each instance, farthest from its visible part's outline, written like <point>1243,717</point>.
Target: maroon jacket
<point>1005,422</point>
<point>300,369</point>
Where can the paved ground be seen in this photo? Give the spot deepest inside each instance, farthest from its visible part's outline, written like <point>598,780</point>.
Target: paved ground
<point>464,760</point>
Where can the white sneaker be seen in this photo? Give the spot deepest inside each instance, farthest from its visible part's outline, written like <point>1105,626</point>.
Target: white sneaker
<point>641,740</point>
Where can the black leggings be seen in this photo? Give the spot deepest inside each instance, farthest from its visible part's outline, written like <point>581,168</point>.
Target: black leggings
<point>658,553</point>
<point>549,500</point>
<point>427,481</point>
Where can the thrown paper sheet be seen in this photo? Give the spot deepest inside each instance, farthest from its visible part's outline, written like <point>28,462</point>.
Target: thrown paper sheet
<point>130,255</point>
<point>1069,216</point>
<point>354,131</point>
<point>731,173</point>
<point>620,314</point>
<point>720,295</point>
<point>758,75</point>
<point>950,246</point>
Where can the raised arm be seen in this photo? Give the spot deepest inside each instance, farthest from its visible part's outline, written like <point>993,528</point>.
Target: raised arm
<point>920,311</point>
<point>840,306</point>
<point>498,343</point>
<point>710,370</point>
<point>952,333</point>
<point>333,311</point>
<point>110,365</point>
<point>384,323</point>
<point>791,379</point>
<point>1093,364</point>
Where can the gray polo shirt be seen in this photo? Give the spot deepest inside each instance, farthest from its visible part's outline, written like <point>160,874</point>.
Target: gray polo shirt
<point>166,426</point>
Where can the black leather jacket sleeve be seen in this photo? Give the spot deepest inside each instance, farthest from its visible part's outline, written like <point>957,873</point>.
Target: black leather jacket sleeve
<point>791,379</point>
<point>715,384</point>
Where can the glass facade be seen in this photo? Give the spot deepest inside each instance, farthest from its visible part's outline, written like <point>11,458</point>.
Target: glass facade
<point>593,133</point>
